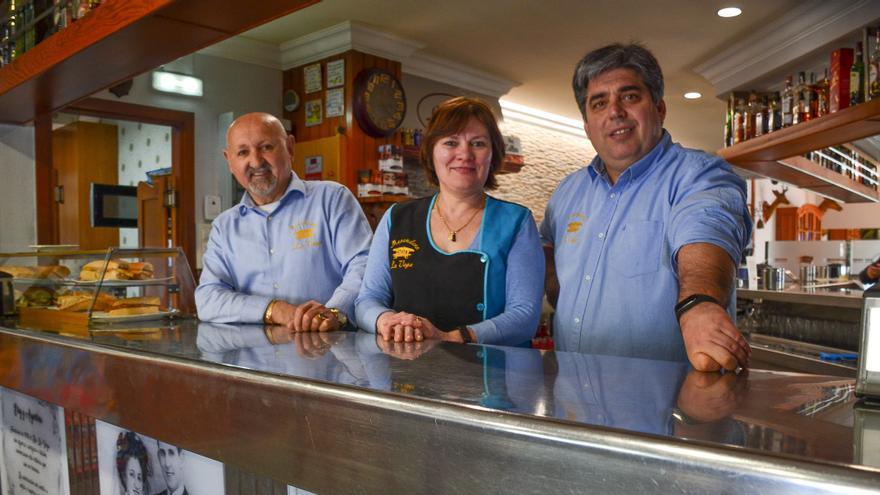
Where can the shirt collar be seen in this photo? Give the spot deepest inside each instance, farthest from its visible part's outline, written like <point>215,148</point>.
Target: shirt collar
<point>634,171</point>
<point>247,203</point>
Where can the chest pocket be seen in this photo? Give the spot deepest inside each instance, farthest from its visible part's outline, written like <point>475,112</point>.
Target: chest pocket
<point>637,247</point>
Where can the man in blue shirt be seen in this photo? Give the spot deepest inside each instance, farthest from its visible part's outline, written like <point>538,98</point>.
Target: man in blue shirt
<point>645,239</point>
<point>291,252</point>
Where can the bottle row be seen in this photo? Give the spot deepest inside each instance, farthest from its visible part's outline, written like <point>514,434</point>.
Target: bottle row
<point>854,78</point>
<point>25,23</point>
<point>848,161</point>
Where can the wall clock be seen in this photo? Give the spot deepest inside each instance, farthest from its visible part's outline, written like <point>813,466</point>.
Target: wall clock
<point>379,103</point>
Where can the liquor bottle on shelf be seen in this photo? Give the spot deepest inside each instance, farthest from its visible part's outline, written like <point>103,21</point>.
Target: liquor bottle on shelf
<point>762,120</point>
<point>30,34</point>
<point>787,103</point>
<point>822,96</point>
<point>16,25</point>
<point>857,78</point>
<point>749,117</point>
<point>738,121</point>
<point>873,88</point>
<point>810,100</point>
<point>798,113</point>
<point>774,114</point>
<point>728,121</point>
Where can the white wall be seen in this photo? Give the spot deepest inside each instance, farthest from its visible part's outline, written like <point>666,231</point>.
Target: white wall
<point>142,148</point>
<point>17,191</point>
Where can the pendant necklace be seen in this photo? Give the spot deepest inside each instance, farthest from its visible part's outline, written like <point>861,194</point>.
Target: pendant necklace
<point>454,232</point>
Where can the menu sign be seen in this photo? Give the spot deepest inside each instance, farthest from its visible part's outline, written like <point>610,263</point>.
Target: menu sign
<point>33,458</point>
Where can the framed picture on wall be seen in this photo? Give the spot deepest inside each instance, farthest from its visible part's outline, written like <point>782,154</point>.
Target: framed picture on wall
<point>335,102</point>
<point>312,78</point>
<point>314,113</point>
<point>335,74</point>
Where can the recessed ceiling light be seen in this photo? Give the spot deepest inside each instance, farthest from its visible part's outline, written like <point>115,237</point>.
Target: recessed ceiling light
<point>692,95</point>
<point>729,12</point>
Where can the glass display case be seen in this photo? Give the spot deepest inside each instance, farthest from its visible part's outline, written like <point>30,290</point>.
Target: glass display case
<point>72,289</point>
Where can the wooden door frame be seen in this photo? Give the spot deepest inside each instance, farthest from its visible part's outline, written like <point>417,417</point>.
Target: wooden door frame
<point>182,162</point>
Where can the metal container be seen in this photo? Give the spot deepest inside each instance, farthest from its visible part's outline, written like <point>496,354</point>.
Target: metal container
<point>7,295</point>
<point>837,271</point>
<point>808,275</point>
<point>774,278</point>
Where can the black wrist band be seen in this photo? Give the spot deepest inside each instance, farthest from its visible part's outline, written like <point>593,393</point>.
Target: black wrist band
<point>690,301</point>
<point>465,335</point>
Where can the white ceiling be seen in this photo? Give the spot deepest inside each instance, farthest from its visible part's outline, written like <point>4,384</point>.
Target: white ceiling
<point>537,43</point>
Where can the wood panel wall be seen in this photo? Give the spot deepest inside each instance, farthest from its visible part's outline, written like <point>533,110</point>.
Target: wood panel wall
<point>360,150</point>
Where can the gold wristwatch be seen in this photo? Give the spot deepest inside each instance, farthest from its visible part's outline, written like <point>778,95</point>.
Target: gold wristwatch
<point>340,316</point>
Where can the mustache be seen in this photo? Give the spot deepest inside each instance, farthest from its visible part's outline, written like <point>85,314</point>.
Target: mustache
<point>263,168</point>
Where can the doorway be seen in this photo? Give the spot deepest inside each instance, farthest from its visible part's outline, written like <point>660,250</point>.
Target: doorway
<point>181,136</point>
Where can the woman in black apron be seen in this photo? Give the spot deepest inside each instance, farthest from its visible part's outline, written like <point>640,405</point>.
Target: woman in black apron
<point>460,265</point>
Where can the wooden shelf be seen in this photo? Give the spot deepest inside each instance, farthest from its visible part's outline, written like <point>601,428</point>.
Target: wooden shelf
<point>117,41</point>
<point>385,198</point>
<point>778,155</point>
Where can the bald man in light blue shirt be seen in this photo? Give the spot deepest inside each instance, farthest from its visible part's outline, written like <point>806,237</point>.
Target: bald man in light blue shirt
<point>291,252</point>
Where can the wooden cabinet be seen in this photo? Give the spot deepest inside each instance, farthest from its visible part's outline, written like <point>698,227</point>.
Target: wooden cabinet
<point>84,153</point>
<point>118,40</point>
<point>778,155</point>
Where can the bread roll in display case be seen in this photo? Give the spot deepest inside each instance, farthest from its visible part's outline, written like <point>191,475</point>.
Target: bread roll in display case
<point>341,412</point>
<point>71,290</point>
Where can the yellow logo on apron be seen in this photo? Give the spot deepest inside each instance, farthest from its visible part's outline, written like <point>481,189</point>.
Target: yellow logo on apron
<point>401,252</point>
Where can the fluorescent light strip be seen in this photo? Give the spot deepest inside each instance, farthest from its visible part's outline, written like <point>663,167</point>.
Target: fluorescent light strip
<point>529,115</point>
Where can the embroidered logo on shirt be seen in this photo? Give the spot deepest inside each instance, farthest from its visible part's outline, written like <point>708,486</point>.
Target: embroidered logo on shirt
<point>304,234</point>
<point>401,251</point>
<point>575,222</point>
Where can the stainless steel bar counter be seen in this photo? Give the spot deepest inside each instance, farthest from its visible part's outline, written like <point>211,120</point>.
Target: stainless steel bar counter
<point>340,413</point>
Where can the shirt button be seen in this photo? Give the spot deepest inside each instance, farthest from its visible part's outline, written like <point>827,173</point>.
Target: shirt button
<point>271,251</point>
<point>268,217</point>
<point>588,278</point>
<point>601,235</point>
<point>275,286</point>
<point>577,320</point>
<point>613,195</point>
<point>481,306</point>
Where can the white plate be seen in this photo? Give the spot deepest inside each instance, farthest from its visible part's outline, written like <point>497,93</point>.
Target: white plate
<point>107,317</point>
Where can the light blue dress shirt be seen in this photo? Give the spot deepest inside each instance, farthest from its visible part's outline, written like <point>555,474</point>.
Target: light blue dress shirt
<point>524,286</point>
<point>312,246</point>
<point>615,247</point>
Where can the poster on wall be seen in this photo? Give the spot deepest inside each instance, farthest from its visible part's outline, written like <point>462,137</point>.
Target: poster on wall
<point>335,102</point>
<point>312,78</point>
<point>314,167</point>
<point>130,463</point>
<point>314,113</point>
<point>335,73</point>
<point>34,447</point>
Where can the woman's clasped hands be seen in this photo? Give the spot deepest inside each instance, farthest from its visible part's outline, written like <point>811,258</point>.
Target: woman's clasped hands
<point>406,327</point>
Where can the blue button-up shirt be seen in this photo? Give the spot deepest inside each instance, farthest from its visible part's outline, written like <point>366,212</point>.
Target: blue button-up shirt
<point>615,247</point>
<point>314,245</point>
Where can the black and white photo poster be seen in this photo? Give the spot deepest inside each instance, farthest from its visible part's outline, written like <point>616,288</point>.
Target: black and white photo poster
<point>133,464</point>
<point>33,458</point>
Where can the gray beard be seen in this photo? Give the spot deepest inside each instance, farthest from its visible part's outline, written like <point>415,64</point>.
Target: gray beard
<point>262,188</point>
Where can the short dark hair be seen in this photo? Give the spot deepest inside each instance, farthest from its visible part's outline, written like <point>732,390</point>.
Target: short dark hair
<point>130,445</point>
<point>617,56</point>
<point>449,118</point>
